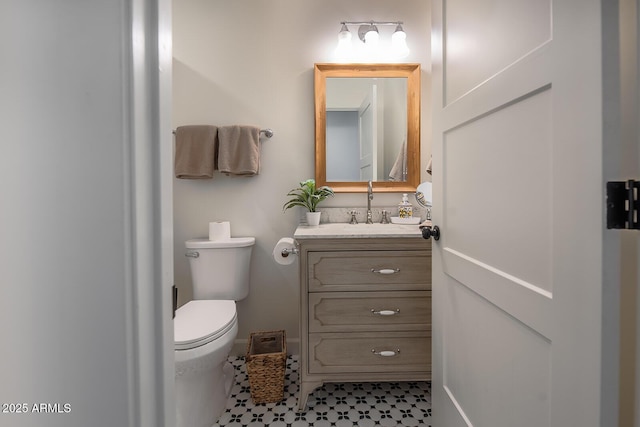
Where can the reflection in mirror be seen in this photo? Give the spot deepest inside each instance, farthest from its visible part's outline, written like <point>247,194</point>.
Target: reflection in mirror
<point>423,195</point>
<point>366,129</point>
<point>368,126</point>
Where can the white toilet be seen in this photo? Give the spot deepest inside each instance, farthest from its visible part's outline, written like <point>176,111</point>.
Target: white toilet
<point>205,328</point>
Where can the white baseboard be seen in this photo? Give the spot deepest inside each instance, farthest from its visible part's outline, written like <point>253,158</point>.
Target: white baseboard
<point>240,347</point>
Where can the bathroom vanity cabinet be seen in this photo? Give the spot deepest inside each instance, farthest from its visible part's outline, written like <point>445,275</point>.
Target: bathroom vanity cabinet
<point>365,308</point>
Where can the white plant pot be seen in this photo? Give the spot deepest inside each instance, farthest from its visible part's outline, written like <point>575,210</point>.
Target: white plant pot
<point>313,218</point>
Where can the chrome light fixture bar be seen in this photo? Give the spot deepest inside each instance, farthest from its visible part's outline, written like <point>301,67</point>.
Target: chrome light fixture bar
<point>369,35</point>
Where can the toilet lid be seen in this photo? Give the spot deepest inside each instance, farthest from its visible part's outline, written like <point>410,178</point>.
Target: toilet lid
<point>202,321</point>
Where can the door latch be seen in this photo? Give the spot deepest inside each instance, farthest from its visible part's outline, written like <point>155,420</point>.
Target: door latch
<point>622,204</point>
<point>174,291</point>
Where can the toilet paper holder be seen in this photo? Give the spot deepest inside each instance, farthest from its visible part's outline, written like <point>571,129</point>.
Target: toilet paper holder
<point>286,252</point>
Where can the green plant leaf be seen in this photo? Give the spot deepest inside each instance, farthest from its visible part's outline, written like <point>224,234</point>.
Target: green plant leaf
<point>307,195</point>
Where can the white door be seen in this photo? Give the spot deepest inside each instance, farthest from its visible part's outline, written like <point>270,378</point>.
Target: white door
<point>367,115</point>
<point>518,194</point>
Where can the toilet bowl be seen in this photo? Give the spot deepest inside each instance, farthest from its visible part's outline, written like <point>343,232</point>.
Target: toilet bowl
<point>204,332</point>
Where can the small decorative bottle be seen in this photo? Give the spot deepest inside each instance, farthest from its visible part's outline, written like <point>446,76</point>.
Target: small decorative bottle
<point>405,210</point>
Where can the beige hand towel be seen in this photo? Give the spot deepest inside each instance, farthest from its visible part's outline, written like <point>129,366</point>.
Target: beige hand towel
<point>239,150</point>
<point>195,151</point>
<point>399,170</point>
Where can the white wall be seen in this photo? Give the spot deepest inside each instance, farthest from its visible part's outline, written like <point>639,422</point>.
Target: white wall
<point>395,115</point>
<point>251,62</point>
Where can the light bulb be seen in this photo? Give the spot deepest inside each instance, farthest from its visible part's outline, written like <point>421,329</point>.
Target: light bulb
<point>343,50</point>
<point>399,43</point>
<point>371,37</point>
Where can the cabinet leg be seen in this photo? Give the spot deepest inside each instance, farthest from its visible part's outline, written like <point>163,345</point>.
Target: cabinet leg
<point>306,388</point>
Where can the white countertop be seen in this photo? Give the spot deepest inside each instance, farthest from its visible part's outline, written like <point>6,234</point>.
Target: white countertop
<point>345,230</point>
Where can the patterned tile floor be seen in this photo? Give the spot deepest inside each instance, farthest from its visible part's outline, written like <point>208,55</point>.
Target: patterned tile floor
<point>340,405</point>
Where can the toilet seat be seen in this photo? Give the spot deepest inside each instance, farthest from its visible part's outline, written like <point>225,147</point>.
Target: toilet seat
<point>201,321</point>
<point>232,242</point>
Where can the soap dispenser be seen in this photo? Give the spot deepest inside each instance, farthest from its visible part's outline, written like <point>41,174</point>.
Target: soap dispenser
<point>405,210</point>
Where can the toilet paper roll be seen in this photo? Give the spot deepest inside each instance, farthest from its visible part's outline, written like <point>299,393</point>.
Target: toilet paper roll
<point>284,243</point>
<point>219,230</point>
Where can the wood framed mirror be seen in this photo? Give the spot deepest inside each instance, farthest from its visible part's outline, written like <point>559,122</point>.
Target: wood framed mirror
<point>367,126</point>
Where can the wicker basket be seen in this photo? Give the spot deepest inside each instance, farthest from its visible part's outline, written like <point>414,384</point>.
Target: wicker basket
<point>266,362</point>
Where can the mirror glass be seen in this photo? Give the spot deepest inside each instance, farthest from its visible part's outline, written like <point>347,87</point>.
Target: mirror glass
<point>367,126</point>
<point>423,195</point>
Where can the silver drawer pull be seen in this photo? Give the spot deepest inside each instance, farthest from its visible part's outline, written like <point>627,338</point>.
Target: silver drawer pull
<point>192,254</point>
<point>386,270</point>
<point>385,312</point>
<point>385,353</point>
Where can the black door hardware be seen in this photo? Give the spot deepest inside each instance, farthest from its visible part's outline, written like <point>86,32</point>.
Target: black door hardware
<point>174,290</point>
<point>622,204</point>
<point>431,231</point>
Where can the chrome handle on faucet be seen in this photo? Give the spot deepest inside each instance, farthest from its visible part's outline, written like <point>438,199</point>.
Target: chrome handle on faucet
<point>385,217</point>
<point>354,220</point>
<point>192,254</point>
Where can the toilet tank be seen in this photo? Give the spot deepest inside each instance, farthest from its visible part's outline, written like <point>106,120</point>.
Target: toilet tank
<point>220,268</point>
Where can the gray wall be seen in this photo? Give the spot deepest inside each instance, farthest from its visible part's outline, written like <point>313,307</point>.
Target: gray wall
<point>251,62</point>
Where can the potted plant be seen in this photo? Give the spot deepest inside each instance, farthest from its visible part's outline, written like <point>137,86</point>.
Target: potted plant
<point>308,196</point>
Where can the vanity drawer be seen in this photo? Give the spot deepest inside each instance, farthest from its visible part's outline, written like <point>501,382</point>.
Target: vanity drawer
<point>369,311</point>
<point>374,352</point>
<point>368,270</point>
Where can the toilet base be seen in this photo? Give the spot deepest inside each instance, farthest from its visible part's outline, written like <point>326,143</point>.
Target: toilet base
<point>203,383</point>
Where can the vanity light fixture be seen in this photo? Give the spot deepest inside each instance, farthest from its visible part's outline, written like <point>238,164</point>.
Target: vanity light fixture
<point>369,35</point>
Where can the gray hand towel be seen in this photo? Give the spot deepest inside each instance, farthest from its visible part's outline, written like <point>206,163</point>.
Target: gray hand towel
<point>195,151</point>
<point>239,150</point>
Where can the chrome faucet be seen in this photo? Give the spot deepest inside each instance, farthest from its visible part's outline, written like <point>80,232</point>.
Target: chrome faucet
<point>369,199</point>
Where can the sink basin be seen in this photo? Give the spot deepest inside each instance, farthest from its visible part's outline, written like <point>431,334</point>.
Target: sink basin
<point>345,230</point>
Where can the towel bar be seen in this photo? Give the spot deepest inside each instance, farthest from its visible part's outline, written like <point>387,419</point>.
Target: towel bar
<point>267,132</point>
